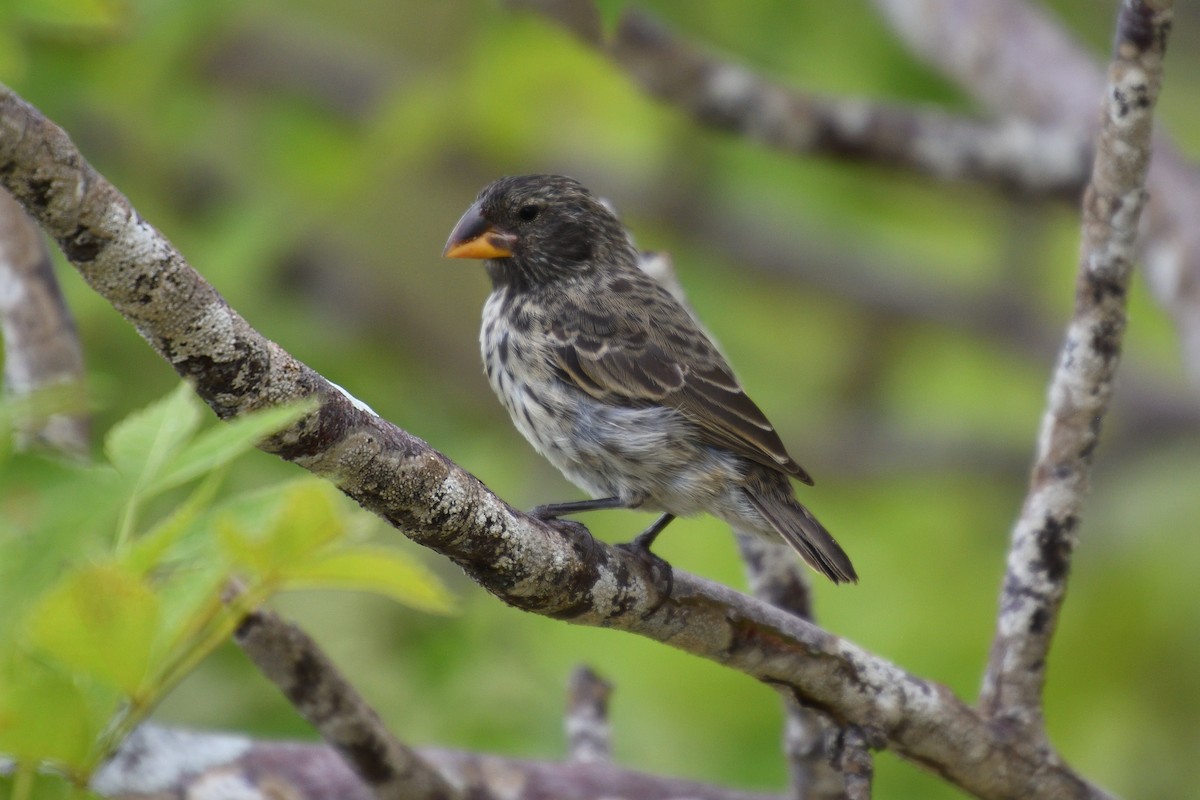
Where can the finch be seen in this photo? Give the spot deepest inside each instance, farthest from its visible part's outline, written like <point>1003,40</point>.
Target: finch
<point>615,382</point>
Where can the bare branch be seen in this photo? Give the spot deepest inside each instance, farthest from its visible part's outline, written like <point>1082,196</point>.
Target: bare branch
<point>41,345</point>
<point>856,764</point>
<point>554,570</point>
<point>158,763</point>
<point>1045,534</point>
<point>293,662</point>
<point>723,95</point>
<point>1012,152</point>
<point>1015,60</point>
<point>808,734</point>
<point>589,736</point>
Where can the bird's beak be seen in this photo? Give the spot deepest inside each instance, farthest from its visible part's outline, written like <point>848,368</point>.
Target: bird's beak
<point>475,237</point>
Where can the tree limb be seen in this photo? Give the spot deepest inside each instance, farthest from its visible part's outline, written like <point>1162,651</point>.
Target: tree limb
<point>1045,535</point>
<point>556,571</point>
<point>720,94</point>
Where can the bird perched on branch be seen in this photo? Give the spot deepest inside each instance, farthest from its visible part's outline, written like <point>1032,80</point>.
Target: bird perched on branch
<point>611,378</point>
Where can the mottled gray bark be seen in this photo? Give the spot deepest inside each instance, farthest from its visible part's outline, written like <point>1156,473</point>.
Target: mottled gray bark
<point>1046,533</point>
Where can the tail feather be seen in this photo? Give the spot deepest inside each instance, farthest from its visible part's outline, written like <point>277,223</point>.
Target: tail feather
<point>808,537</point>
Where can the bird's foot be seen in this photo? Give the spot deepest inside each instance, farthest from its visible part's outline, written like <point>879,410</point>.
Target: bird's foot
<point>545,512</point>
<point>581,539</point>
<point>659,571</point>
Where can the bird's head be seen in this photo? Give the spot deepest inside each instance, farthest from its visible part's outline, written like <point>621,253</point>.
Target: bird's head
<point>536,229</point>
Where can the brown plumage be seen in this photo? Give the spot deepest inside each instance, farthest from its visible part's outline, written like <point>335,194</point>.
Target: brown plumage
<point>614,381</point>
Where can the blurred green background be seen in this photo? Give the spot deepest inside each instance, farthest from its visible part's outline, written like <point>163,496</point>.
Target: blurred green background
<point>310,158</point>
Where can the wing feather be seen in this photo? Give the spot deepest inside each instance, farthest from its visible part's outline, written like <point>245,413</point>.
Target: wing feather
<point>635,364</point>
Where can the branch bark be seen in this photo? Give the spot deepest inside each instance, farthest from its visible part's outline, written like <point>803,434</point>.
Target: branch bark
<point>1045,535</point>
<point>557,571</point>
<point>43,359</point>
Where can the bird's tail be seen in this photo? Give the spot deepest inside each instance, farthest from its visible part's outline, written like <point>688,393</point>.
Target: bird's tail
<point>800,529</point>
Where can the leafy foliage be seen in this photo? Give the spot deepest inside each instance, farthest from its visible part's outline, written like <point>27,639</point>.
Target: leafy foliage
<point>116,584</point>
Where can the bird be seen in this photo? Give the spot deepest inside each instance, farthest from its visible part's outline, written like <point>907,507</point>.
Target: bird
<point>614,380</point>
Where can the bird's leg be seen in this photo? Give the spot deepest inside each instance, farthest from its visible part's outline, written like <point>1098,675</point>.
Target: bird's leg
<point>660,571</point>
<point>556,510</point>
<point>647,537</point>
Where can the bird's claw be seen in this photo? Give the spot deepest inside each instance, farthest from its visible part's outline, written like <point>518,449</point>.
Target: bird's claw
<point>660,572</point>
<point>544,512</point>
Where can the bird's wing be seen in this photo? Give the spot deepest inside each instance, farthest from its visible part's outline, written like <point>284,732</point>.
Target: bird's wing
<point>660,356</point>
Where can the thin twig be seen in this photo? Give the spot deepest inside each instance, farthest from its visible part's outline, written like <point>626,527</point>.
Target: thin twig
<point>1045,534</point>
<point>776,577</point>
<point>589,736</point>
<point>856,764</point>
<point>43,358</point>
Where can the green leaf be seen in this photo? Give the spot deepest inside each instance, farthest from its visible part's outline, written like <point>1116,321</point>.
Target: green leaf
<point>268,529</point>
<point>223,443</point>
<point>373,569</point>
<point>100,620</point>
<point>139,445</point>
<point>43,713</point>
<point>150,550</point>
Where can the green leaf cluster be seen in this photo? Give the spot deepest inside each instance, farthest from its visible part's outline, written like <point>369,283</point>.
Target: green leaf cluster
<point>117,579</point>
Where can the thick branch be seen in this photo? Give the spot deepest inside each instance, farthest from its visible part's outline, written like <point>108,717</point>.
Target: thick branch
<point>723,95</point>
<point>555,571</point>
<point>1045,534</point>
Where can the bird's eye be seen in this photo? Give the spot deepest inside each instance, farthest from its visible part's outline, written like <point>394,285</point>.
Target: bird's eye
<point>528,212</point>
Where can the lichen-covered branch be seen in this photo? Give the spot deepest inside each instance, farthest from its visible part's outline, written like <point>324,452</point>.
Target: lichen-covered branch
<point>1045,534</point>
<point>43,360</point>
<point>557,571</point>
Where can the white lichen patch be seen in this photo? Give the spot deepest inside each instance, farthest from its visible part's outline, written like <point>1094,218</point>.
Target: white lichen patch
<point>354,401</point>
<point>154,759</point>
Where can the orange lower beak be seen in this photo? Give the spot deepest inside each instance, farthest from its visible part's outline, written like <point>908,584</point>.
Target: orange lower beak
<point>475,237</point>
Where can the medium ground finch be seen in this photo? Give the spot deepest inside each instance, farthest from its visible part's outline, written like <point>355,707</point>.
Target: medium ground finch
<point>613,380</point>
